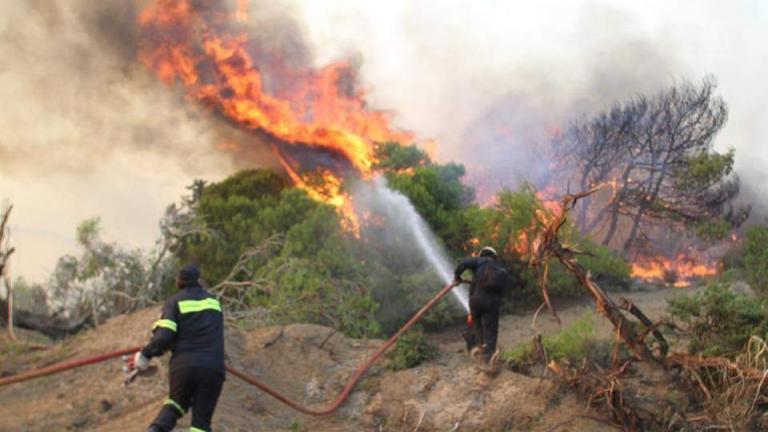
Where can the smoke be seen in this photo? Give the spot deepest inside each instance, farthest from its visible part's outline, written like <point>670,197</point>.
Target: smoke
<point>490,82</point>
<point>71,71</point>
<point>401,231</point>
<point>87,130</point>
<point>506,97</point>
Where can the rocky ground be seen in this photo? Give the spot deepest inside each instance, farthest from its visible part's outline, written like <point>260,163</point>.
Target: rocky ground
<point>310,364</point>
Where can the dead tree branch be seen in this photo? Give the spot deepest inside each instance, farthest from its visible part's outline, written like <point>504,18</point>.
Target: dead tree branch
<point>548,246</point>
<point>649,325</point>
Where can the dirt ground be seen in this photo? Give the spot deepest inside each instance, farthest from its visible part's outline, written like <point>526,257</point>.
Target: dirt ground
<point>310,364</point>
<point>516,328</point>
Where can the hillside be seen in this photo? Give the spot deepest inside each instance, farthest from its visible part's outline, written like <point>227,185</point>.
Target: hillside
<point>310,364</point>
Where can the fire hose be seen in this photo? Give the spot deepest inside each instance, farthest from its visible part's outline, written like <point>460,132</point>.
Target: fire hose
<point>250,379</point>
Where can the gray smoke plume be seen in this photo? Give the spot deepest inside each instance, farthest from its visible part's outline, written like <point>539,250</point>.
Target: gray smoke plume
<point>88,130</point>
<point>79,95</point>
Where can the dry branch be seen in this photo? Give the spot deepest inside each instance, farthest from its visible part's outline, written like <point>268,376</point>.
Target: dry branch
<point>547,246</point>
<point>649,325</point>
<point>732,394</point>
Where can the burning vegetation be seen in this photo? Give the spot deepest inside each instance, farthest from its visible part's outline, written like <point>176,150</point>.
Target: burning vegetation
<point>637,191</point>
<point>205,49</point>
<point>680,272</point>
<point>655,152</point>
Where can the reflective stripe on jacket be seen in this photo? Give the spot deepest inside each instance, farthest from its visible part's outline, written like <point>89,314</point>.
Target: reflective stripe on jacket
<point>192,328</point>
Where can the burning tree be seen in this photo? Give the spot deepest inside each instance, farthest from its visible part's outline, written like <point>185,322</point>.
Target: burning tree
<point>657,153</point>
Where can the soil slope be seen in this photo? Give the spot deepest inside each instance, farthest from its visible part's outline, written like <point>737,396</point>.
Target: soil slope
<point>310,364</point>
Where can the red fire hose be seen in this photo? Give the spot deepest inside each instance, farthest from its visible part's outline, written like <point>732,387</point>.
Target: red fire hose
<point>61,367</point>
<point>361,370</point>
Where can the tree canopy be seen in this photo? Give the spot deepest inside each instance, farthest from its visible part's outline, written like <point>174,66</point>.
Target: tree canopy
<point>657,152</point>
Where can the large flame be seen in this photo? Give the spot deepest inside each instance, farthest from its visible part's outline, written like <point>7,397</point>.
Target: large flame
<point>317,109</point>
<point>679,272</point>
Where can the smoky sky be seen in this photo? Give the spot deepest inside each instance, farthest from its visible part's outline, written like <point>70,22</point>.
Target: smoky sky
<point>490,81</point>
<point>88,131</point>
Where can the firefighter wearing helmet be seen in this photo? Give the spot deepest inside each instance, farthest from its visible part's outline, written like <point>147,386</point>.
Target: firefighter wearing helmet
<point>488,281</point>
<point>192,328</point>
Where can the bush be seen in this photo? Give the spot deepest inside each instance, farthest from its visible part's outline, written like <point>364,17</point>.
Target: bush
<point>411,349</point>
<point>510,225</point>
<point>719,321</point>
<point>756,258</point>
<point>30,296</point>
<point>575,342</point>
<point>608,269</point>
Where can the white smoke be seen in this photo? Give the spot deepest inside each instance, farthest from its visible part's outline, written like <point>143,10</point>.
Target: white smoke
<point>406,231</point>
<point>489,80</point>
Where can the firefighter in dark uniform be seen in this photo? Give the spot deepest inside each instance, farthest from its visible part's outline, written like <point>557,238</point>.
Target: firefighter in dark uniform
<point>192,328</point>
<point>488,281</point>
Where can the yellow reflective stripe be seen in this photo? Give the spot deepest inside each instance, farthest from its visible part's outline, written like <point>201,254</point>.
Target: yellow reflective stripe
<point>194,429</point>
<point>187,306</point>
<point>165,323</point>
<point>172,402</point>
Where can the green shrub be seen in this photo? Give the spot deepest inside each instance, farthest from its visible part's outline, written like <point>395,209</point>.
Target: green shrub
<point>574,342</point>
<point>756,258</point>
<point>719,321</point>
<point>608,269</point>
<point>733,260</point>
<point>411,349</point>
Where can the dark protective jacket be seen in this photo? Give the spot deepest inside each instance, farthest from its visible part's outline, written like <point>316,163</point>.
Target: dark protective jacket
<point>192,327</point>
<point>488,276</point>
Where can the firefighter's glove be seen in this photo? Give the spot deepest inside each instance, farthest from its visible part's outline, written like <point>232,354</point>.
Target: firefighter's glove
<point>140,363</point>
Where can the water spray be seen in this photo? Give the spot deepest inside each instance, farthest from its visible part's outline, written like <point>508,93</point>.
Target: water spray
<point>398,207</point>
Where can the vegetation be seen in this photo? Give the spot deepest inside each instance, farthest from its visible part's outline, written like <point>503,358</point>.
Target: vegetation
<point>268,249</point>
<point>290,255</point>
<point>105,280</point>
<point>410,350</point>
<point>756,258</point>
<point>574,343</point>
<point>658,154</point>
<point>718,321</point>
<point>30,297</point>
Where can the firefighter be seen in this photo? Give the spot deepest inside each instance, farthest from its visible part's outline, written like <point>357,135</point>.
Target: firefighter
<point>488,281</point>
<point>192,328</point>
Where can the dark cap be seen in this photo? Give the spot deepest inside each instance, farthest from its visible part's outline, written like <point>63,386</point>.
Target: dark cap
<point>189,275</point>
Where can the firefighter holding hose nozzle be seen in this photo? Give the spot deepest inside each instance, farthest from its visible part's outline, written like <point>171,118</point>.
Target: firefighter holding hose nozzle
<point>485,293</point>
<point>192,328</point>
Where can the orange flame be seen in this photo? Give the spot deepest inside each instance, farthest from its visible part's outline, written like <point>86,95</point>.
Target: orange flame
<point>182,44</point>
<point>680,272</point>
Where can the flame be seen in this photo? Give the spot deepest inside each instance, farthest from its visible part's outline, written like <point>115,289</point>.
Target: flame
<point>314,108</point>
<point>680,272</point>
<point>549,201</point>
<point>328,191</point>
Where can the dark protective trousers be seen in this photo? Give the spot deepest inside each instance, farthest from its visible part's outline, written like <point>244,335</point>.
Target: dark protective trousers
<point>485,316</point>
<point>196,388</point>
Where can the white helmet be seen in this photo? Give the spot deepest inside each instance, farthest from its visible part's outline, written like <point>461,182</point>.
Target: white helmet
<point>488,251</point>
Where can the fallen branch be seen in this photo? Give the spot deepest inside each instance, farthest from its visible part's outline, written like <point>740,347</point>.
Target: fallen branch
<point>548,246</point>
<point>650,326</point>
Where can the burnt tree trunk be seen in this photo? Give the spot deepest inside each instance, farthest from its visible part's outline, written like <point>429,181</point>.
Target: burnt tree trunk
<point>50,326</point>
<point>615,204</point>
